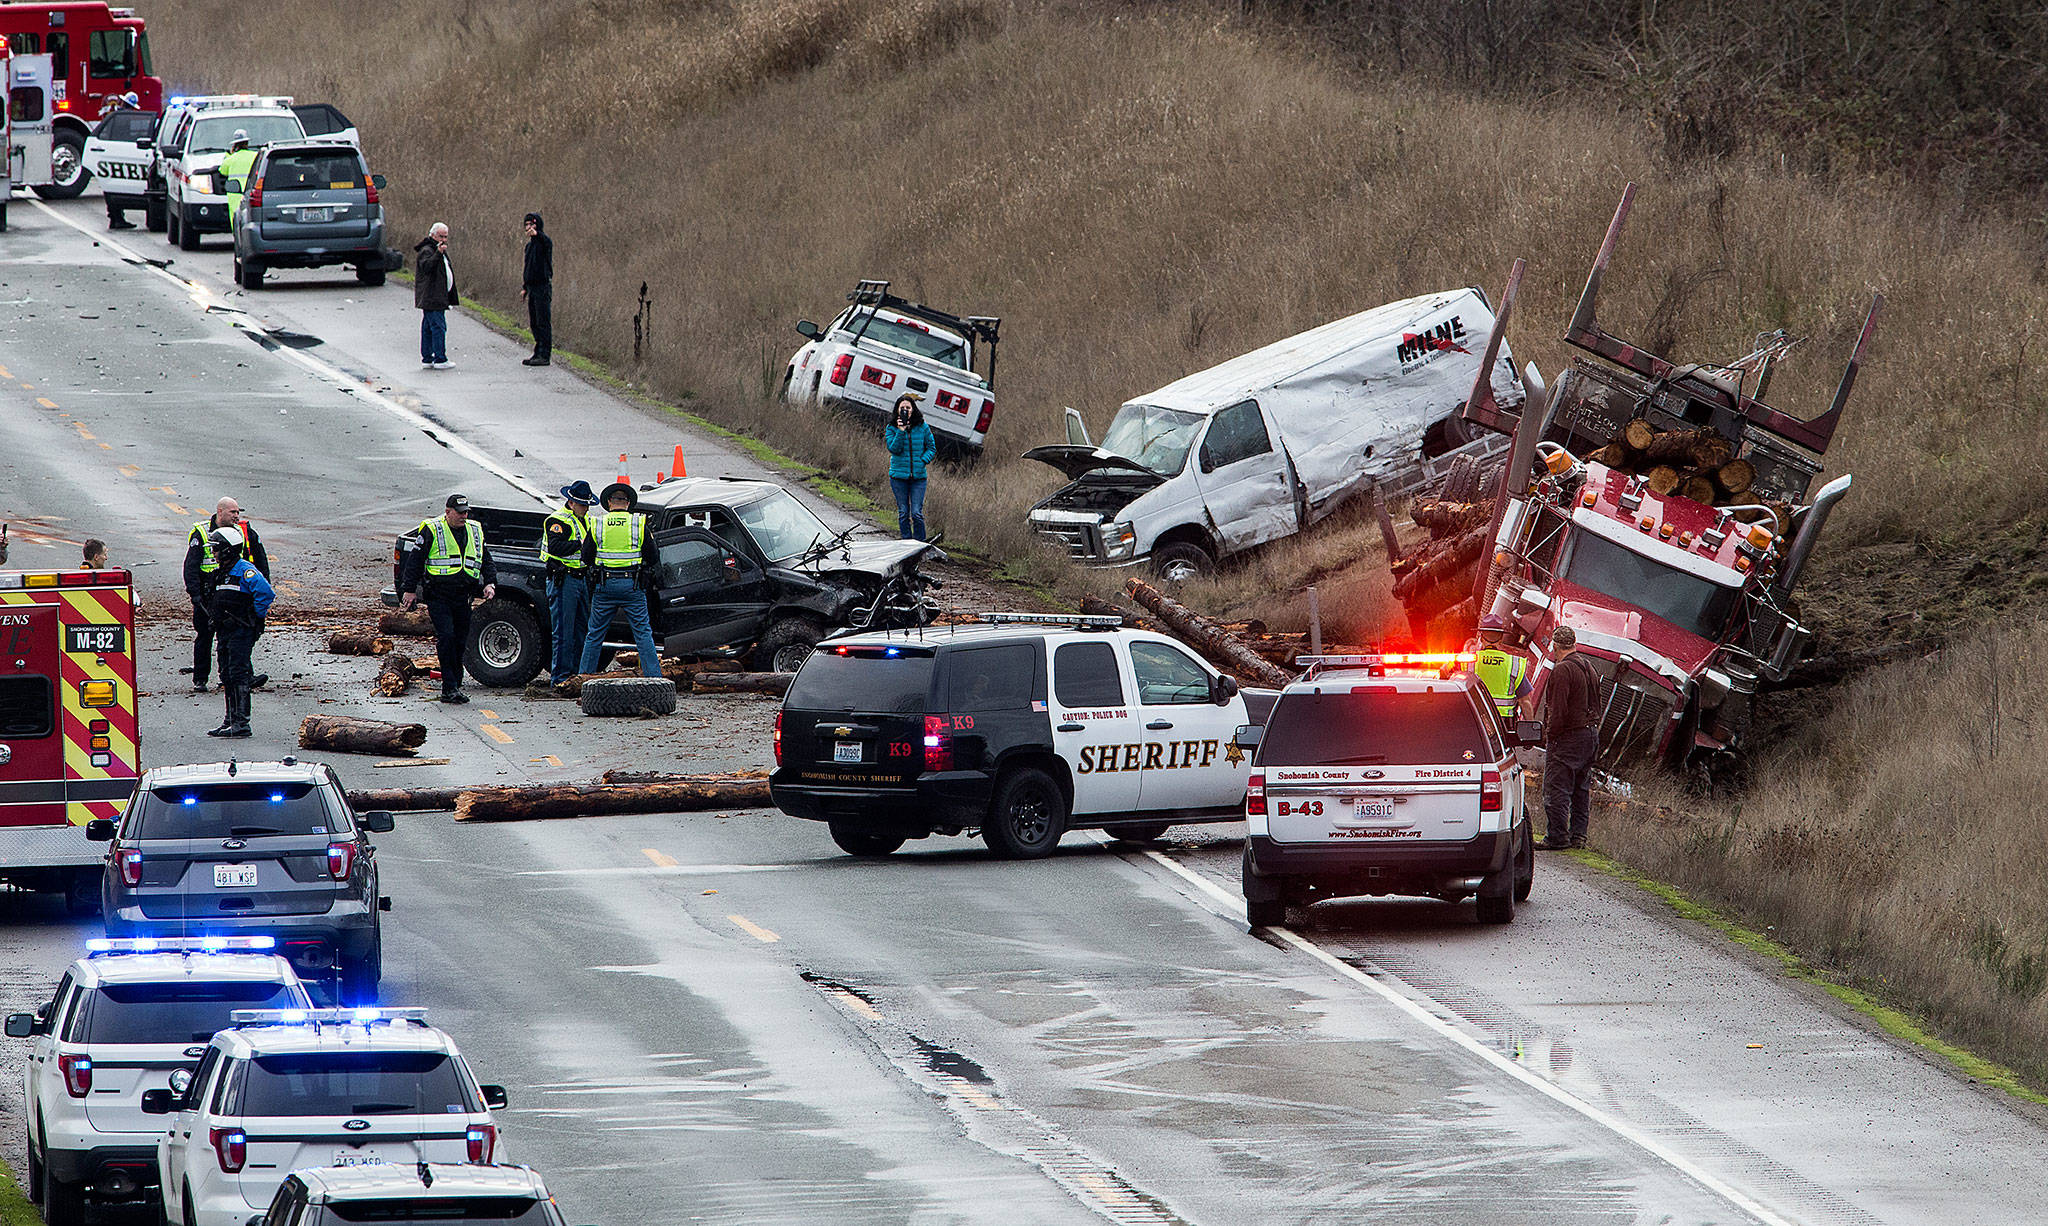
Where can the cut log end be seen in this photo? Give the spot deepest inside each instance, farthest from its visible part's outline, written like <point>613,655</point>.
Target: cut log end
<point>1638,435</point>
<point>1662,479</point>
<point>1736,476</point>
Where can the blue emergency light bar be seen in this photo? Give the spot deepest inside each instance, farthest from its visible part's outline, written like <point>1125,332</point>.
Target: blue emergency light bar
<point>100,946</point>
<point>1077,621</point>
<point>327,1017</point>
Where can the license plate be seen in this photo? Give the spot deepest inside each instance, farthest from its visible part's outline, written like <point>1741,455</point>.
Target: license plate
<point>846,751</point>
<point>227,875</point>
<point>326,214</point>
<point>356,1157</point>
<point>1373,808</point>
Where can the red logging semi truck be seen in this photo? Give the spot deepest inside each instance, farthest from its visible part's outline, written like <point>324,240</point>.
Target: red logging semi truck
<point>69,749</point>
<point>97,53</point>
<point>1661,511</point>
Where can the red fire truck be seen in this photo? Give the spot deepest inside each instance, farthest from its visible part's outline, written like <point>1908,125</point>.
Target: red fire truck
<point>69,748</point>
<point>96,53</point>
<point>1684,606</point>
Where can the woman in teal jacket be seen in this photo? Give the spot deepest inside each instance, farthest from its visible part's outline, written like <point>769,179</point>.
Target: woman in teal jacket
<point>911,450</point>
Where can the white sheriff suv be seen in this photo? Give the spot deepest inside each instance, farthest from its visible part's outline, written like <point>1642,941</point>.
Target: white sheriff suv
<point>286,1089</point>
<point>1024,728</point>
<point>195,202</point>
<point>426,1192</point>
<point>131,1016</point>
<point>1386,774</point>
<point>883,346</point>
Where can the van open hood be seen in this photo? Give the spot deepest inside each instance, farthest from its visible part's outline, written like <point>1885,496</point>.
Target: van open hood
<point>1075,460</point>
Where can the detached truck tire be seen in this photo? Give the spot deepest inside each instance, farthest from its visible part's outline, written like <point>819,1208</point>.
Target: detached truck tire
<point>629,696</point>
<point>507,646</point>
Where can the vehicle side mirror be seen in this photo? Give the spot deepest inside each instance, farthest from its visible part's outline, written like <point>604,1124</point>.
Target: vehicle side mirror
<point>144,143</point>
<point>21,1025</point>
<point>231,187</point>
<point>1222,690</point>
<point>494,1097</point>
<point>158,1102</point>
<point>808,329</point>
<point>100,830</point>
<point>377,181</point>
<point>181,1081</point>
<point>377,821</point>
<point>1528,732</point>
<point>732,569</point>
<point>1248,736</point>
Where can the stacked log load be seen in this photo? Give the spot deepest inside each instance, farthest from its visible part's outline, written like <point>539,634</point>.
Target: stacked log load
<point>1699,465</point>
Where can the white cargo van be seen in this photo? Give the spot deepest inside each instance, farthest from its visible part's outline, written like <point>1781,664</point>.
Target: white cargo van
<point>1271,442</point>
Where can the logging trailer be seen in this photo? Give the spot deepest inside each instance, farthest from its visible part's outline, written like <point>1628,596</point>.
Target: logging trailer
<point>1660,511</point>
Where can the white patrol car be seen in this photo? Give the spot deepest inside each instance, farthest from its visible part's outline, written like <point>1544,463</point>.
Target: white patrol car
<point>427,1191</point>
<point>883,346</point>
<point>1024,727</point>
<point>131,1016</point>
<point>193,202</point>
<point>118,154</point>
<point>1386,774</point>
<point>286,1089</point>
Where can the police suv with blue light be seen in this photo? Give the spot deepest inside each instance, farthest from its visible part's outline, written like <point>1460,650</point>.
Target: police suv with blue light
<point>1386,774</point>
<point>132,1016</point>
<point>281,1090</point>
<point>1022,727</point>
<point>251,847</point>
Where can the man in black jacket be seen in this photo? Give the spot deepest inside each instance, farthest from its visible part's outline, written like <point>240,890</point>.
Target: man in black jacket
<point>1571,742</point>
<point>433,292</point>
<point>538,288</point>
<point>449,566</point>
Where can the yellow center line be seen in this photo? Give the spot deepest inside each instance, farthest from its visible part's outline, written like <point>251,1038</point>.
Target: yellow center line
<point>754,930</point>
<point>6,373</point>
<point>129,470</point>
<point>660,858</point>
<point>551,759</point>
<point>487,714</point>
<point>83,433</point>
<point>46,402</point>
<point>497,734</point>
<point>28,387</point>
<point>176,509</point>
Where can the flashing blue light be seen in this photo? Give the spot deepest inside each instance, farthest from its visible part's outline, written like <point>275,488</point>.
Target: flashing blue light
<point>277,798</point>
<point>290,1016</point>
<point>191,800</point>
<point>892,652</point>
<point>144,945</point>
<point>98,945</point>
<point>367,1015</point>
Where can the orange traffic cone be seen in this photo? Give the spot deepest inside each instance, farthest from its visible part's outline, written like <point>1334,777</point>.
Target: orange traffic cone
<point>623,478</point>
<point>679,469</point>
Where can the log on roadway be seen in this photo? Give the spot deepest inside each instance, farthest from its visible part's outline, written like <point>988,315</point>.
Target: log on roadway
<point>512,804</point>
<point>347,734</point>
<point>406,623</point>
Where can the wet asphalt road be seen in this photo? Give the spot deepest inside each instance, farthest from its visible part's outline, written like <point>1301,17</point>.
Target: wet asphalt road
<point>717,1017</point>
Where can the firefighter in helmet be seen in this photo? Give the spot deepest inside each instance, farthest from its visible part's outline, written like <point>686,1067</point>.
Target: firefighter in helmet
<point>1504,673</point>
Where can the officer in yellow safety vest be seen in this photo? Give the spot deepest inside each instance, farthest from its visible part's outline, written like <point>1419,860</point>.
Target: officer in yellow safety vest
<point>1504,673</point>
<point>619,555</point>
<point>203,570</point>
<point>448,565</point>
<point>562,536</point>
<point>236,165</point>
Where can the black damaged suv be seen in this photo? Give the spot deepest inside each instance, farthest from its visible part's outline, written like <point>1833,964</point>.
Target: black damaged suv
<point>247,848</point>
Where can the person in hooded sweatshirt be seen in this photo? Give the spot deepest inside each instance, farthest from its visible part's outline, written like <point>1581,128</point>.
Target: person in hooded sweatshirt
<point>538,288</point>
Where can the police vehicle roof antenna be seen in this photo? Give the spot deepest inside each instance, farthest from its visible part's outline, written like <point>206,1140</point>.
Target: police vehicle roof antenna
<point>231,767</point>
<point>426,1175</point>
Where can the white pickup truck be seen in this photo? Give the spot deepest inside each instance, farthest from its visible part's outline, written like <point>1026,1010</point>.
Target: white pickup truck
<point>882,346</point>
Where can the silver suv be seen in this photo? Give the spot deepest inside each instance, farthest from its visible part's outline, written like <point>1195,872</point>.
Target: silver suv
<point>310,205</point>
<point>268,848</point>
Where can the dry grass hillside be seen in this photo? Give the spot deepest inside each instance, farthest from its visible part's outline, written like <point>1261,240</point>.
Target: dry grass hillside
<point>1141,191</point>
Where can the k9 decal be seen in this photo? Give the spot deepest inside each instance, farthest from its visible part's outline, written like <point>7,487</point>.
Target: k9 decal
<point>900,749</point>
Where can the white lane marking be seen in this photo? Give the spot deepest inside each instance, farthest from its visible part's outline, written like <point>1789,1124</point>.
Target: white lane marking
<point>1232,907</point>
<point>205,298</point>
<point>658,870</point>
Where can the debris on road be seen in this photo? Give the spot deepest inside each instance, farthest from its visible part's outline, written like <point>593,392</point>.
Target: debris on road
<point>347,734</point>
<point>406,623</point>
<point>628,696</point>
<point>357,643</point>
<point>397,675</point>
<point>742,683</point>
<point>506,804</point>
